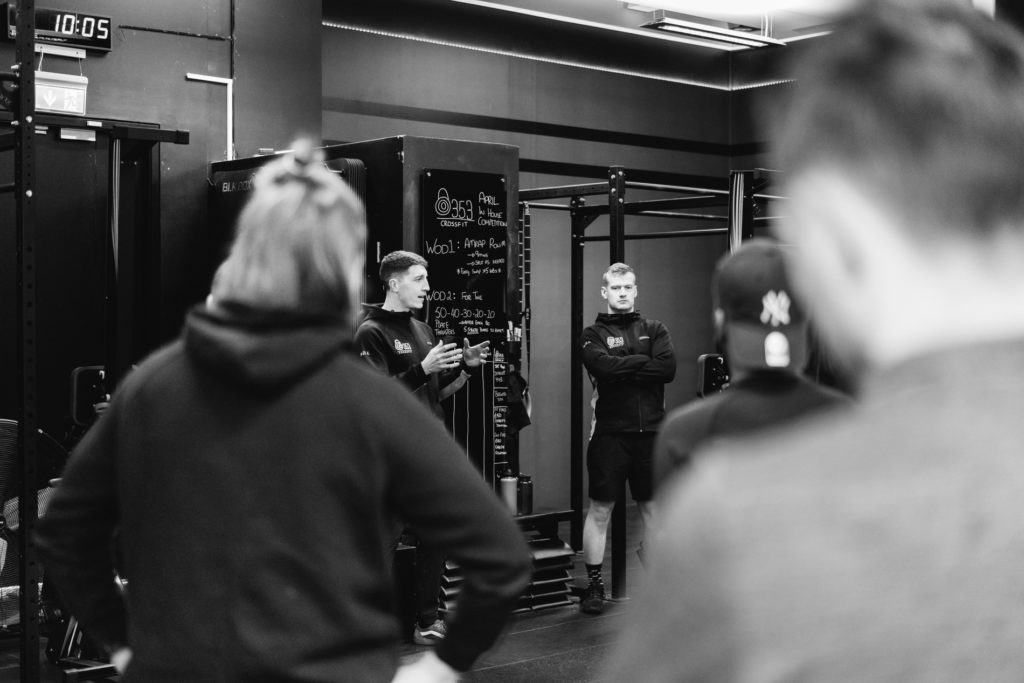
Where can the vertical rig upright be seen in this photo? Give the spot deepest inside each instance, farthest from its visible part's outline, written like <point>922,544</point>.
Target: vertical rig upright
<point>579,220</point>
<point>617,254</point>
<point>25,219</point>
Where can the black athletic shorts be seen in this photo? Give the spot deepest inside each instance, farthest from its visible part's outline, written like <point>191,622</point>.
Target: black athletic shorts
<point>612,459</point>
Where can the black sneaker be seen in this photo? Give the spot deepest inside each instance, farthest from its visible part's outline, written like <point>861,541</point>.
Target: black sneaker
<point>592,600</point>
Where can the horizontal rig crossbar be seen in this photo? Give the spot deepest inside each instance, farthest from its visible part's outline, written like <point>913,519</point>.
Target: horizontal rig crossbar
<point>586,189</point>
<point>631,209</point>
<point>124,130</point>
<point>675,214</point>
<point>676,188</point>
<point>564,191</point>
<point>660,235</point>
<point>554,207</point>
<point>675,203</point>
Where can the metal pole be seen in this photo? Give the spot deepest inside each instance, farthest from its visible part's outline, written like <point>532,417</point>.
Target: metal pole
<point>579,221</point>
<point>24,192</point>
<point>617,254</point>
<point>741,208</point>
<point>676,188</point>
<point>526,259</point>
<point>617,213</point>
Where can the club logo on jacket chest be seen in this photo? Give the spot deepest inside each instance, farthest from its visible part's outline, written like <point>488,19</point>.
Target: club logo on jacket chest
<point>615,342</point>
<point>402,347</point>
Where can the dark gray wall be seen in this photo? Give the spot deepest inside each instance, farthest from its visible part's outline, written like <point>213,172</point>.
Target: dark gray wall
<point>276,66</point>
<point>271,49</point>
<point>570,123</point>
<point>665,113</point>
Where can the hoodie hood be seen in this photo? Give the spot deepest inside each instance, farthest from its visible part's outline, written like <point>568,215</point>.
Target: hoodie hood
<point>259,350</point>
<point>377,312</point>
<point>618,319</point>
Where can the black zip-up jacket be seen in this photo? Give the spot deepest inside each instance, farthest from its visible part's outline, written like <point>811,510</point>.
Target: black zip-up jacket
<point>630,360</point>
<point>396,343</point>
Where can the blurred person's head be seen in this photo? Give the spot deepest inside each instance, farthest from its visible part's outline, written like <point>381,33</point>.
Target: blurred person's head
<point>901,150</point>
<point>759,320</point>
<point>618,288</point>
<point>299,242</point>
<point>404,276</point>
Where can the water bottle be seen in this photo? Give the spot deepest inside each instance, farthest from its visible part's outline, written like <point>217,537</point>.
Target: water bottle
<point>525,494</point>
<point>507,485</point>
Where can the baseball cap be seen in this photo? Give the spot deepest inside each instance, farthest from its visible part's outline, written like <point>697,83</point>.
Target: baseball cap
<point>765,324</point>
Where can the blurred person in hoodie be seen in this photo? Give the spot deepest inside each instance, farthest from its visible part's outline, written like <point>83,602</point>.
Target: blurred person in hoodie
<point>251,472</point>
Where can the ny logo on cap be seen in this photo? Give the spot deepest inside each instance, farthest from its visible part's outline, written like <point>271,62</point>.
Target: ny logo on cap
<point>776,308</point>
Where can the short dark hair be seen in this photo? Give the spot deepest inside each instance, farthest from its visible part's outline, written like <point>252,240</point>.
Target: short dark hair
<point>398,262</point>
<point>922,105</point>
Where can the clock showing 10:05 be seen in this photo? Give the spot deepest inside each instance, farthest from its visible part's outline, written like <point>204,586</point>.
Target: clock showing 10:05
<point>64,27</point>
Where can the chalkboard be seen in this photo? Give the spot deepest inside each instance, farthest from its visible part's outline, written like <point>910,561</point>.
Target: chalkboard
<point>464,229</point>
<point>465,242</point>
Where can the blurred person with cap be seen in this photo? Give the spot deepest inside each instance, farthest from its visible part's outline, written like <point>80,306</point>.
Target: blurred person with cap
<point>761,327</point>
<point>883,542</point>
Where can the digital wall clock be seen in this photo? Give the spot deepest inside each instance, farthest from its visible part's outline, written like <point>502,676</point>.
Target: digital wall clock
<point>64,27</point>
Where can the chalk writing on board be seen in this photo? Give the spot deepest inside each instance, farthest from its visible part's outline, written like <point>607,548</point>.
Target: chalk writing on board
<point>465,240</point>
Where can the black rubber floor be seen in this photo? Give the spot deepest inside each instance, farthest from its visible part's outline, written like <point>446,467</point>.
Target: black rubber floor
<point>557,644</point>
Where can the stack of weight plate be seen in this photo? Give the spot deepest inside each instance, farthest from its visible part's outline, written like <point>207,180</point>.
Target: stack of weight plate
<point>549,586</point>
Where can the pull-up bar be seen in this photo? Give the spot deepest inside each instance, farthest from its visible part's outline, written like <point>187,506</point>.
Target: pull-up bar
<point>676,188</point>
<point>660,235</point>
<point>653,208</point>
<point>589,189</point>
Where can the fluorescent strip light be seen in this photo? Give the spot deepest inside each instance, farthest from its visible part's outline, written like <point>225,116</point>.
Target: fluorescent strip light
<point>709,35</point>
<point>663,23</point>
<point>739,8</point>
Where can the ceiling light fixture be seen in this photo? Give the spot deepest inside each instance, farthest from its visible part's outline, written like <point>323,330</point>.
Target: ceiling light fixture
<point>743,7</point>
<point>708,32</point>
<point>593,24</point>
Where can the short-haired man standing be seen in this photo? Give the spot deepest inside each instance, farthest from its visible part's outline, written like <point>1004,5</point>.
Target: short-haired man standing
<point>630,360</point>
<point>392,340</point>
